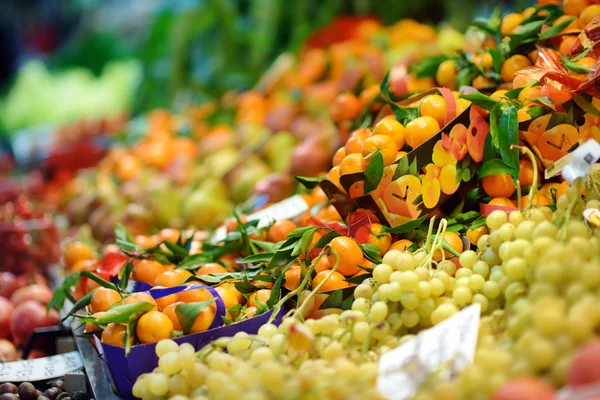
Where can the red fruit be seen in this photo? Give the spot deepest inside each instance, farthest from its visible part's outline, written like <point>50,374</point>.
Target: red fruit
<point>8,352</point>
<point>585,367</point>
<point>6,310</point>
<point>39,293</point>
<point>8,284</point>
<point>525,389</point>
<point>29,316</point>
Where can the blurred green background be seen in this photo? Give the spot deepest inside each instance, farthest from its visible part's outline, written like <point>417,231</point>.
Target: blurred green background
<point>183,50</point>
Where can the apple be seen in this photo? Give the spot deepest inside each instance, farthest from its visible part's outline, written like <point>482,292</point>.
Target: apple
<point>6,310</point>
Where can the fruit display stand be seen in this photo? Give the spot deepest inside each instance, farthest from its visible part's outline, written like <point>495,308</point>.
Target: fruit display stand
<point>450,250</point>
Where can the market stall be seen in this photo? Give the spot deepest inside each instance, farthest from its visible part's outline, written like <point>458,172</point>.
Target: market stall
<point>389,211</point>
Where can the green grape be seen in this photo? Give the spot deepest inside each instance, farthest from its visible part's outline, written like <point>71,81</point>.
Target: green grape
<point>463,273</point>
<point>379,311</point>
<point>468,259</point>
<point>405,262</point>
<point>158,384</point>
<point>462,296</point>
<point>166,346</point>
<point>169,363</point>
<point>360,331</point>
<point>409,281</point>
<point>476,283</point>
<point>410,318</point>
<point>443,312</point>
<point>491,289</point>
<point>481,268</point>
<point>178,385</point>
<point>437,287</point>
<point>515,268</point>
<point>409,301</point>
<point>496,219</point>
<point>424,290</point>
<point>382,272</point>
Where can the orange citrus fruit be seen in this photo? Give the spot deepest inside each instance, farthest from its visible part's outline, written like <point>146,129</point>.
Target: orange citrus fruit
<point>153,326</point>
<point>139,297</point>
<point>401,245</point>
<point>322,264</point>
<point>499,185</point>
<point>336,281</point>
<point>382,240</point>
<point>203,320</point>
<point>454,241</point>
<point>433,106</point>
<point>352,163</point>
<point>211,268</point>
<point>574,7</point>
<point>589,13</point>
<point>279,230</point>
<point>114,335</point>
<point>526,173</point>
<point>512,65</point>
<point>193,295</point>
<point>474,234</point>
<point>446,74</point>
<point>77,251</point>
<point>389,126</point>
<point>292,277</point>
<point>262,294</point>
<point>419,130</point>
<point>169,311</point>
<point>147,271</point>
<point>339,156</point>
<point>510,22</point>
<point>103,298</point>
<point>349,253</point>
<point>501,201</point>
<point>385,145</point>
<point>90,327</point>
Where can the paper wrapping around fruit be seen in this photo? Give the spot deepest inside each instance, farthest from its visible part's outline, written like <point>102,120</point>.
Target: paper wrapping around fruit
<point>419,181</point>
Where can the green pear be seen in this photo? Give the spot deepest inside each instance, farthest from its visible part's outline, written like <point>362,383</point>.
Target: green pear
<point>166,204</point>
<point>221,161</point>
<point>243,179</point>
<point>278,150</point>
<point>207,206</point>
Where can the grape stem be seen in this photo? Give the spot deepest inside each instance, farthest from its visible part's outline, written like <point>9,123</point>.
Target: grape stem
<point>316,289</point>
<point>572,205</point>
<point>519,196</point>
<point>437,244</point>
<point>301,286</point>
<point>534,181</point>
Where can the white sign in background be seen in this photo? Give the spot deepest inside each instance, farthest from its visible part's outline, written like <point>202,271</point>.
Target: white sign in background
<point>451,343</point>
<point>40,369</point>
<point>285,209</point>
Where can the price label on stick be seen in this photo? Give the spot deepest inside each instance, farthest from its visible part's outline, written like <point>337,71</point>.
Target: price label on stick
<point>40,369</point>
<point>447,349</point>
<point>581,161</point>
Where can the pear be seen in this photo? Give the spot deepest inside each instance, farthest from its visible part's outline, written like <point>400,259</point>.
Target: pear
<point>278,150</point>
<point>207,206</point>
<point>221,161</point>
<point>166,203</point>
<point>243,178</point>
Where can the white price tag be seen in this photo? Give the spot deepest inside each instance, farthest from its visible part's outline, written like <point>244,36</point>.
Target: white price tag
<point>40,369</point>
<point>285,209</point>
<point>452,342</point>
<point>582,160</point>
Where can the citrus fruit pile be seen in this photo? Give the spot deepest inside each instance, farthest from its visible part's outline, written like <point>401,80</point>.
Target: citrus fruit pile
<point>435,202</point>
<point>160,173</point>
